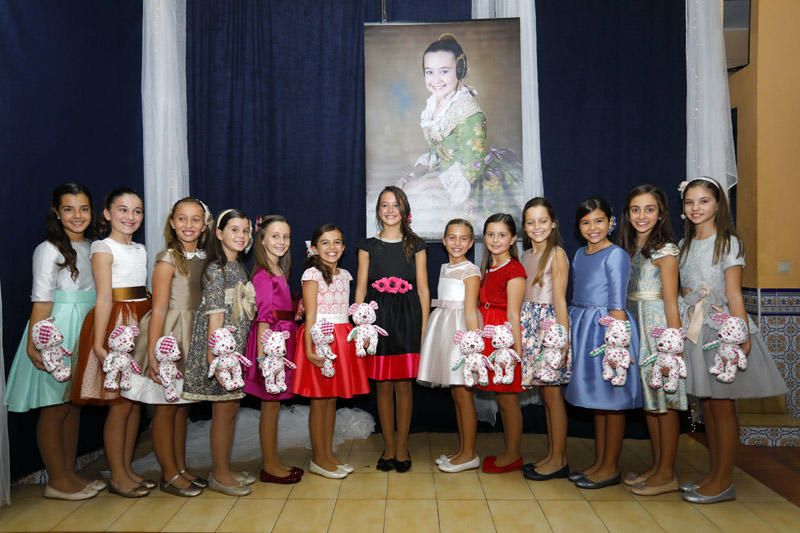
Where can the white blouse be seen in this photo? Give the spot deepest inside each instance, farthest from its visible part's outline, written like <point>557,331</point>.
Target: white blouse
<point>48,277</point>
<point>129,267</point>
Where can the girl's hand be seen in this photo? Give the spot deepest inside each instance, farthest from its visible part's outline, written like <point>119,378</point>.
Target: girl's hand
<point>564,356</point>
<point>101,353</point>
<point>746,346</point>
<point>314,359</point>
<point>36,358</point>
<point>152,370</point>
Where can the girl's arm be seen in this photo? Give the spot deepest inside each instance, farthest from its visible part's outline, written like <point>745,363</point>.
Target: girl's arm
<point>733,290</point>
<point>362,276</point>
<point>162,287</point>
<point>39,311</point>
<point>560,271</point>
<point>101,272</point>
<point>472,285</point>
<point>618,273</point>
<point>214,296</point>
<point>310,292</point>
<point>515,290</point>
<point>668,267</point>
<point>421,263</point>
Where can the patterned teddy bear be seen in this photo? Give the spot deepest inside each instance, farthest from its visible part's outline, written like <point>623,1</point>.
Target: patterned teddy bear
<point>549,359</point>
<point>167,353</point>
<point>365,330</point>
<point>118,362</point>
<point>227,363</point>
<point>47,339</point>
<point>504,357</point>
<point>729,357</point>
<point>273,365</point>
<point>322,337</point>
<point>472,359</point>
<point>615,350</point>
<point>669,346</point>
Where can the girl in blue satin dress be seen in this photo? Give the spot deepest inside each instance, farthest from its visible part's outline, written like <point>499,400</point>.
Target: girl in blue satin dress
<point>601,271</point>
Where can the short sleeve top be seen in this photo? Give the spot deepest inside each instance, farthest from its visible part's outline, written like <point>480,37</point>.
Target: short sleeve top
<point>129,267</point>
<point>600,279</point>
<point>386,258</point>
<point>494,289</point>
<point>333,299</point>
<point>272,294</point>
<point>451,280</point>
<point>698,269</point>
<point>48,277</point>
<point>186,292</point>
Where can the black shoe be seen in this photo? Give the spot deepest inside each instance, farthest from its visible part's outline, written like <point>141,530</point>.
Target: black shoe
<point>586,483</point>
<point>385,465</point>
<point>403,466</point>
<point>575,476</point>
<point>532,474</point>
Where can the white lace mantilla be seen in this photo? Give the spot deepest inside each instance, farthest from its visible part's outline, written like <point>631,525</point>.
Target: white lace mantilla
<point>459,107</point>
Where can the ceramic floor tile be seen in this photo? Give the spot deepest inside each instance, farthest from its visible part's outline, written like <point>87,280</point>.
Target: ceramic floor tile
<point>305,516</point>
<point>570,516</point>
<point>272,491</point>
<point>515,516</point>
<point>624,517</point>
<point>252,515</point>
<point>752,490</point>
<point>731,516</point>
<point>158,511</point>
<point>508,486</point>
<point>677,516</point>
<point>314,487</point>
<point>365,461</point>
<point>555,489</point>
<point>41,515</point>
<point>373,443</point>
<point>17,507</point>
<point>782,516</point>
<point>411,486</point>
<point>27,491</point>
<point>199,514</point>
<point>613,493</point>
<point>458,516</point>
<point>461,486</point>
<point>358,486</point>
<point>363,516</point>
<point>411,516</point>
<point>96,514</point>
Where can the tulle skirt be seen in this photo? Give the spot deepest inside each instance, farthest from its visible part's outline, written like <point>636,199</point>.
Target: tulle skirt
<point>439,353</point>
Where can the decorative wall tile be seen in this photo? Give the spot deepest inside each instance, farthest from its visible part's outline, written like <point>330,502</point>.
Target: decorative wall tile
<point>770,436</point>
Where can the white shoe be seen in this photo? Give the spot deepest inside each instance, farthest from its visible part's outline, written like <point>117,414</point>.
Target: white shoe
<point>244,478</point>
<point>449,467</point>
<point>441,459</point>
<point>97,485</point>
<point>55,494</point>
<point>347,467</point>
<point>334,474</point>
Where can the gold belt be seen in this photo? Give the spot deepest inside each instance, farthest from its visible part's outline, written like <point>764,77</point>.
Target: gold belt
<point>122,294</point>
<point>645,296</point>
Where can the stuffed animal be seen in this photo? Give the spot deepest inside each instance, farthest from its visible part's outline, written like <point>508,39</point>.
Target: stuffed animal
<point>549,359</point>
<point>504,357</point>
<point>729,357</point>
<point>227,363</point>
<point>615,349</point>
<point>322,337</point>
<point>47,339</point>
<point>273,365</point>
<point>472,359</point>
<point>118,362</point>
<point>167,353</point>
<point>365,330</point>
<point>669,346</point>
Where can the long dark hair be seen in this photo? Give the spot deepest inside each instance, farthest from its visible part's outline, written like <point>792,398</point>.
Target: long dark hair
<point>553,240</point>
<point>508,220</point>
<point>660,235</point>
<point>411,240</point>
<point>586,207</point>
<point>55,230</point>
<point>722,220</point>
<point>103,225</point>
<point>314,260</point>
<point>261,259</point>
<point>214,251</point>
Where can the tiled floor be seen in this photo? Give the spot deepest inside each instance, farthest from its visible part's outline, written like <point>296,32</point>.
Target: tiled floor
<point>425,500</point>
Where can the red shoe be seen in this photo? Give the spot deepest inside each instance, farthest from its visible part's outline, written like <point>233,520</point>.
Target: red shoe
<point>490,465</point>
<point>290,479</point>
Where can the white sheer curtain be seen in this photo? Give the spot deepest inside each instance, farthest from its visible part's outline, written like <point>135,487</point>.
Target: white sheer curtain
<point>5,460</point>
<point>709,136</point>
<point>166,159</point>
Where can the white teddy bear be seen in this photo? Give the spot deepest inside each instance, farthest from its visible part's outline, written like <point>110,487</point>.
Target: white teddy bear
<point>273,364</point>
<point>549,359</point>
<point>322,337</point>
<point>730,357</point>
<point>227,363</point>
<point>47,338</point>
<point>615,350</point>
<point>504,357</point>
<point>472,359</point>
<point>365,330</point>
<point>118,362</point>
<point>669,346</point>
<point>167,354</point>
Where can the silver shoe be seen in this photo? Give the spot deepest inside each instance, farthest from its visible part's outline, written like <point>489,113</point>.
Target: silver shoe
<point>689,485</point>
<point>724,496</point>
<point>245,478</point>
<point>215,485</point>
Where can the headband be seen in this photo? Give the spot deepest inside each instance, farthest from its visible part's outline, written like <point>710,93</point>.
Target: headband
<point>682,185</point>
<point>250,240</point>
<point>310,249</point>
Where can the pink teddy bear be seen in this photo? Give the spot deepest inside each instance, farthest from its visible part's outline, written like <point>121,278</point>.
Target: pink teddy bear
<point>167,354</point>
<point>47,339</point>
<point>118,362</point>
<point>504,357</point>
<point>472,359</point>
<point>365,330</point>
<point>273,366</point>
<point>615,350</point>
<point>322,337</point>
<point>554,339</point>
<point>227,363</point>
<point>669,346</point>
<point>730,356</point>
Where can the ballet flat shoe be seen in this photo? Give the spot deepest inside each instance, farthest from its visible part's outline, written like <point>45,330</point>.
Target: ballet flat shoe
<point>586,483</point>
<point>189,492</point>
<point>236,490</point>
<point>297,471</point>
<point>97,485</point>
<point>450,468</point>
<point>347,467</point>
<point>149,484</point>
<point>490,465</point>
<point>693,496</point>
<point>385,465</point>
<point>403,466</point>
<point>85,493</point>
<point>314,468</point>
<point>137,492</point>
<point>534,475</point>
<point>196,480</point>
<point>245,478</point>
<point>689,485</point>
<point>288,479</point>
<point>641,489</point>
<point>632,478</point>
<point>575,476</point>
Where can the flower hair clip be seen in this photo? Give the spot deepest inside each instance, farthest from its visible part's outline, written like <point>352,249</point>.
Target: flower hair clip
<point>409,216</point>
<point>209,218</point>
<point>259,221</point>
<point>310,249</point>
<point>682,187</point>
<point>612,224</point>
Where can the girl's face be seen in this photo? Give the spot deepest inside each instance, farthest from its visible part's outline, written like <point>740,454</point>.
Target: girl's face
<point>699,205</point>
<point>235,236</point>
<point>644,213</point>
<point>330,247</point>
<point>389,210</point>
<point>440,73</point>
<point>457,240</point>
<point>189,222</point>
<point>75,214</point>
<point>498,238</point>
<point>277,239</point>
<point>538,224</point>
<point>594,226</point>
<point>125,214</point>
